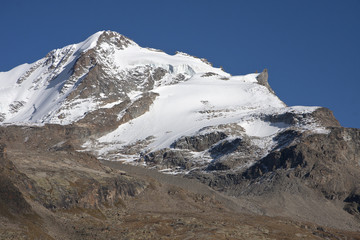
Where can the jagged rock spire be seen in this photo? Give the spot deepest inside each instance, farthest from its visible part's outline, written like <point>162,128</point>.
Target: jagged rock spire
<point>262,79</point>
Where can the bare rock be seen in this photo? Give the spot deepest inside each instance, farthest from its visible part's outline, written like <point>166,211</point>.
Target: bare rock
<point>199,143</point>
<point>262,79</point>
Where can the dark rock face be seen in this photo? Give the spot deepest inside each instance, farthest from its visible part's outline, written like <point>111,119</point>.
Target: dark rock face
<point>11,199</point>
<point>287,118</point>
<point>286,138</point>
<point>230,154</point>
<point>139,107</point>
<point>322,116</point>
<point>167,158</point>
<point>158,74</point>
<point>98,82</point>
<point>221,152</point>
<point>285,159</point>
<point>176,158</point>
<point>352,203</point>
<point>225,147</point>
<point>325,117</point>
<point>2,151</point>
<point>325,163</point>
<point>199,143</point>
<point>208,74</point>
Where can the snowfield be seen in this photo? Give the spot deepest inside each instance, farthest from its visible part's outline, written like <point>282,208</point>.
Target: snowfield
<point>185,108</point>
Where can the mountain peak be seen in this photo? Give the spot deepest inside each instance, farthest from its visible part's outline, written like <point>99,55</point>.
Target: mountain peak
<point>109,37</point>
<point>114,38</point>
<point>108,69</point>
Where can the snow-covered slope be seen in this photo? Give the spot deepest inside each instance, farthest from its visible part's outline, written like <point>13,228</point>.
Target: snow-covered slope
<point>187,107</point>
<point>37,92</point>
<point>197,108</point>
<point>30,92</point>
<point>201,105</point>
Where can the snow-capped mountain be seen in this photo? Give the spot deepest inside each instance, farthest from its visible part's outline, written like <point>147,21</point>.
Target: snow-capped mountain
<point>107,98</point>
<point>105,68</point>
<point>145,103</point>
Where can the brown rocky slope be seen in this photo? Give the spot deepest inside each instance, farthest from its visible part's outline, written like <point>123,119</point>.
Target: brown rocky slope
<point>59,193</point>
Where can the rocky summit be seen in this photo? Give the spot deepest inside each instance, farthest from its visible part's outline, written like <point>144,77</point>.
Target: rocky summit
<point>106,139</point>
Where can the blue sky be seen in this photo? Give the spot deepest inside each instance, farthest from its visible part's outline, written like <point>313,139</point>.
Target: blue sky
<point>311,48</point>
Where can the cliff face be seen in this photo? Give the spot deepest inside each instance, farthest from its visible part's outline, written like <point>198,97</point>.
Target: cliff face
<point>328,164</point>
<point>312,177</point>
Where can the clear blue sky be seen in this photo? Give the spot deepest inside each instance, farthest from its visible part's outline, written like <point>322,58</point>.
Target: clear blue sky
<point>311,47</point>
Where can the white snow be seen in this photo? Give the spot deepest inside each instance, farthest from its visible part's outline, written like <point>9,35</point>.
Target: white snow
<point>38,95</point>
<point>135,55</point>
<point>89,43</point>
<point>187,107</point>
<point>9,78</point>
<point>258,128</point>
<point>38,91</point>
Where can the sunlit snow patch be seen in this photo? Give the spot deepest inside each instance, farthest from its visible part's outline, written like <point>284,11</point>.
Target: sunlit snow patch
<point>258,128</point>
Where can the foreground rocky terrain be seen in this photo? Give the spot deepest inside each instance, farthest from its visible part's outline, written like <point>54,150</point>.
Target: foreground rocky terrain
<point>107,140</point>
<point>64,194</point>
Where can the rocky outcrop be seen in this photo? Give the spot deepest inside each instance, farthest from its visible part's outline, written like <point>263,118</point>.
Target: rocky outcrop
<point>104,120</point>
<point>325,117</point>
<point>322,116</point>
<point>331,150</point>
<point>231,154</point>
<point>352,203</point>
<point>324,164</point>
<point>114,38</point>
<point>199,143</point>
<point>99,84</point>
<point>139,107</point>
<point>262,79</point>
<point>168,158</point>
